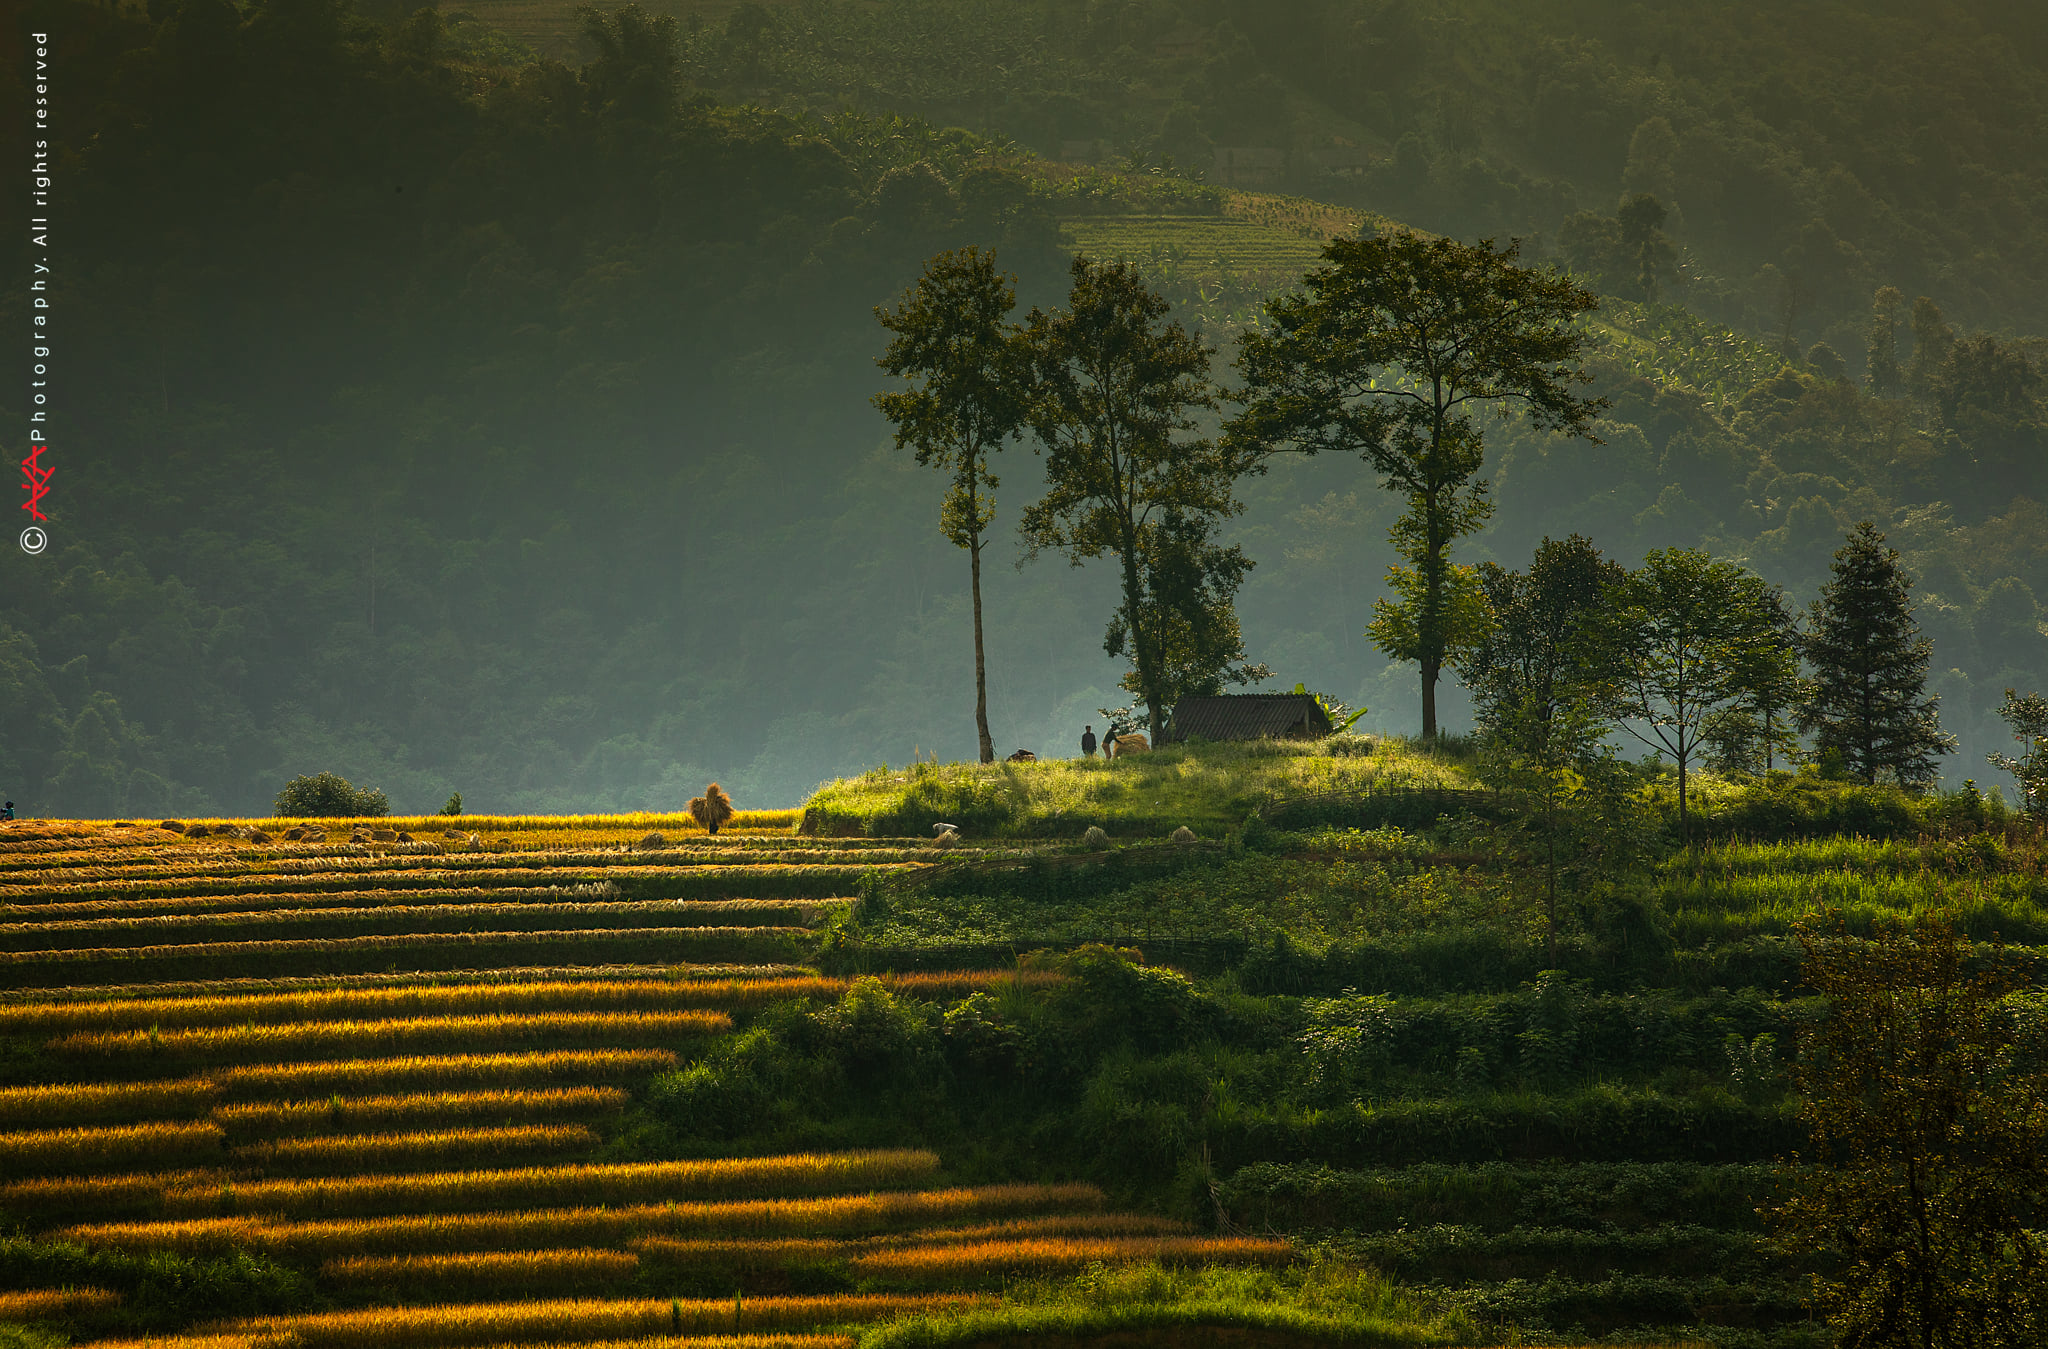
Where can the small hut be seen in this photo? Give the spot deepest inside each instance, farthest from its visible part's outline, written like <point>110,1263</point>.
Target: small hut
<point>1248,716</point>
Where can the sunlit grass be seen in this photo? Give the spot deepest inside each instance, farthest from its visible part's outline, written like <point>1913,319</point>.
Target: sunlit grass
<point>1209,787</point>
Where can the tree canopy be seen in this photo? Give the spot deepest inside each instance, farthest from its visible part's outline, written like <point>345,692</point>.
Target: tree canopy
<point>1118,387</point>
<point>1393,345</point>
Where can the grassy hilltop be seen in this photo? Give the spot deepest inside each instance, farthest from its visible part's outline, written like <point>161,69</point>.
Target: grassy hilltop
<point>1323,1074</point>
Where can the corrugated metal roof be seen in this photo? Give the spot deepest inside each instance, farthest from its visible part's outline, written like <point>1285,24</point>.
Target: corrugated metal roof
<point>1248,716</point>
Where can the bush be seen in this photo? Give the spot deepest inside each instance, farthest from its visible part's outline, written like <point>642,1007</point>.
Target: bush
<point>326,795</point>
<point>454,806</point>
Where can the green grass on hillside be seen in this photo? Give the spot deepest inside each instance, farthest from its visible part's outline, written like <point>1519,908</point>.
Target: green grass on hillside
<point>1210,788</point>
<point>1326,1303</point>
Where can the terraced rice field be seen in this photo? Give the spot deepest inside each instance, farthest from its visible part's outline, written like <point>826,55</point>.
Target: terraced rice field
<point>397,1068</point>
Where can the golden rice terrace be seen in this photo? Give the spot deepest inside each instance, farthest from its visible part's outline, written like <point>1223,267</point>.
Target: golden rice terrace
<point>395,1064</point>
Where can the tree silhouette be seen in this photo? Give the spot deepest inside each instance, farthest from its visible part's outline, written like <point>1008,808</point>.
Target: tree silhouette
<point>1929,1151</point>
<point>1690,638</point>
<point>952,332</point>
<point>1117,389</point>
<point>1869,699</point>
<point>1392,340</point>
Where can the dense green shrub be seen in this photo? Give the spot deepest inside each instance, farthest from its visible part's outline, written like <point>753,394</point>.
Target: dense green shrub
<point>326,796</point>
<point>796,1065</point>
<point>1498,1196</point>
<point>159,1289</point>
<point>1789,806</point>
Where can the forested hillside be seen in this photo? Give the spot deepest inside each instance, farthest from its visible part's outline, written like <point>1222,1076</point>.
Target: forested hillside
<point>458,421</point>
<point>1811,152</point>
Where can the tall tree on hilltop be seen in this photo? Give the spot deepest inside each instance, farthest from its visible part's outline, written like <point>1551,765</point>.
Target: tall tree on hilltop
<point>953,334</point>
<point>1117,387</point>
<point>1690,638</point>
<point>1869,700</point>
<point>1380,355</point>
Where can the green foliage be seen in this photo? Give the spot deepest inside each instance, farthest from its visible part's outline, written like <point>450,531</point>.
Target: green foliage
<point>160,1290</point>
<point>1393,336</point>
<point>1690,638</point>
<point>2028,718</point>
<point>1869,700</point>
<point>1493,1195</point>
<point>790,1073</point>
<point>1321,1301</point>
<point>454,805</point>
<point>1925,1166</point>
<point>326,796</point>
<point>952,333</point>
<point>1117,390</point>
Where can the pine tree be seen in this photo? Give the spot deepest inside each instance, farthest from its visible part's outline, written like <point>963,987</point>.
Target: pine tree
<point>1869,700</point>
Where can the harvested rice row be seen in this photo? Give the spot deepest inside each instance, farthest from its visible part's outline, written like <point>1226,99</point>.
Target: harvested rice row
<point>688,1253</point>
<point>284,1340</point>
<point>84,994</point>
<point>554,996</point>
<point>412,919</point>
<point>281,1118</point>
<point>420,1072</point>
<point>95,1102</point>
<point>529,1271</point>
<point>908,1261</point>
<point>32,1303</point>
<point>642,876</point>
<point>335,955</point>
<point>119,1194</point>
<point>1041,1255</point>
<point>133,906</point>
<point>768,1341</point>
<point>43,1152</point>
<point>542,1228</point>
<point>68,1199</point>
<point>334,1152</point>
<point>442,1000</point>
<point>395,1036</point>
<point>62,1152</point>
<point>579,1319</point>
<point>606,1183</point>
<point>211,1191</point>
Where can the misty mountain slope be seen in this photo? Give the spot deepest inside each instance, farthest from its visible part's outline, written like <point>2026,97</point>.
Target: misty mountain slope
<point>1811,152</point>
<point>454,426</point>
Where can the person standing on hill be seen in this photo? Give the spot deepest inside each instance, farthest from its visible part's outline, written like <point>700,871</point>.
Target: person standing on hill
<point>1088,742</point>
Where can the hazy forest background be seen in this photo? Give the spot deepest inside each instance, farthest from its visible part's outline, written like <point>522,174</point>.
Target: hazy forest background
<point>478,400</point>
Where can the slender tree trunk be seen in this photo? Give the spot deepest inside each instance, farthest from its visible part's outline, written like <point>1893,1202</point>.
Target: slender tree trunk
<point>1134,616</point>
<point>988,746</point>
<point>1684,831</point>
<point>1550,828</point>
<point>1434,621</point>
<point>1142,655</point>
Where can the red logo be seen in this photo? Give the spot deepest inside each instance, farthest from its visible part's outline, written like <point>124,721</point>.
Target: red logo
<point>35,480</point>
